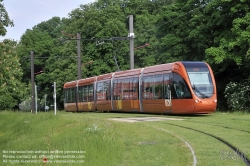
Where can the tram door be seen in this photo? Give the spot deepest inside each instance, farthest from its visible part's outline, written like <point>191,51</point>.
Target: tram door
<point>167,92</point>
<point>181,97</point>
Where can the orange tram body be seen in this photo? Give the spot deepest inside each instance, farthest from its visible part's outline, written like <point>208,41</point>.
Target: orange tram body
<point>174,88</point>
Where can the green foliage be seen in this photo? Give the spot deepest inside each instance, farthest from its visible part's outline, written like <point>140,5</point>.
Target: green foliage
<point>237,95</point>
<point>215,31</point>
<point>4,19</point>
<point>43,40</point>
<point>180,32</point>
<point>41,43</point>
<point>233,39</point>
<point>12,90</point>
<point>53,27</point>
<point>217,54</point>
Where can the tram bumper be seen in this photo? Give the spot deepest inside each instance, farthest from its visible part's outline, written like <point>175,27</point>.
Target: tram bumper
<point>204,107</point>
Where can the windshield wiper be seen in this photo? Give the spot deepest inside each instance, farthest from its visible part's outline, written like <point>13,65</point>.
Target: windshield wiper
<point>193,86</point>
<point>202,94</point>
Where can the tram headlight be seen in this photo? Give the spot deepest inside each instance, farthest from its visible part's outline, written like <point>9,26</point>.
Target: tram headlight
<point>215,100</point>
<point>197,101</point>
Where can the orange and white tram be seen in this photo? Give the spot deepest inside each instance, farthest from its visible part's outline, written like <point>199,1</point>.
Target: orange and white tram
<point>175,88</point>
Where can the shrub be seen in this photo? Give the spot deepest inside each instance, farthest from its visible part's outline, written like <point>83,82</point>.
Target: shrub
<point>237,95</point>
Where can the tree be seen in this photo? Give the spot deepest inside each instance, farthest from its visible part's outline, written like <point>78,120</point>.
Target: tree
<point>230,35</point>
<point>12,90</point>
<point>41,43</point>
<point>53,27</point>
<point>228,22</point>
<point>43,39</point>
<point>181,31</point>
<point>99,21</point>
<point>216,31</point>
<point>4,19</point>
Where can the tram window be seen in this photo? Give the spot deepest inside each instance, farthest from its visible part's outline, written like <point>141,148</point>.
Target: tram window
<point>179,88</point>
<point>74,94</point>
<point>115,89</point>
<point>118,89</point>
<point>106,90</point>
<point>66,92</point>
<point>158,79</point>
<point>99,91</point>
<point>68,95</point>
<point>147,89</point>
<point>85,93</point>
<point>125,89</point>
<point>134,88</point>
<point>131,90</point>
<point>167,82</point>
<point>80,93</point>
<point>201,83</point>
<point>91,92</point>
<point>80,96</point>
<point>103,90</point>
<point>65,95</point>
<point>71,95</point>
<point>152,87</point>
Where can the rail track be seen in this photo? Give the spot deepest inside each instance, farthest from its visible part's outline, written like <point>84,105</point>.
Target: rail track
<point>187,124</point>
<point>237,151</point>
<point>226,127</point>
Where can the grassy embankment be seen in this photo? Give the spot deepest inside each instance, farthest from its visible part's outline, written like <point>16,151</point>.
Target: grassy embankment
<point>93,139</point>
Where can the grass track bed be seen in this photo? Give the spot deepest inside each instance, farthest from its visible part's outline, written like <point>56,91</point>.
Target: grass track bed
<point>108,142</point>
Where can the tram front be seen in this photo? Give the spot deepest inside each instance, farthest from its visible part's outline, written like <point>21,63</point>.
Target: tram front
<point>202,85</point>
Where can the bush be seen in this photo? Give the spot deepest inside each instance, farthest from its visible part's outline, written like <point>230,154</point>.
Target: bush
<point>26,105</point>
<point>237,96</point>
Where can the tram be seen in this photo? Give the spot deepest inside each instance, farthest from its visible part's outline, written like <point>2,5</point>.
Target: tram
<point>185,87</point>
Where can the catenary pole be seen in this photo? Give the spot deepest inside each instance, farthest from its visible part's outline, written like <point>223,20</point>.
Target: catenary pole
<point>54,97</point>
<point>131,43</point>
<point>36,97</point>
<point>79,56</point>
<point>45,105</point>
<point>32,82</point>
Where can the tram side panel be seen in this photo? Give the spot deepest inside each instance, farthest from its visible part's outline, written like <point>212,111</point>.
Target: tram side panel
<point>86,98</point>
<point>126,91</point>
<point>178,88</point>
<point>103,96</point>
<point>155,89</point>
<point>152,88</point>
<point>125,94</point>
<point>70,96</point>
<point>86,94</point>
<point>103,92</point>
<point>182,100</point>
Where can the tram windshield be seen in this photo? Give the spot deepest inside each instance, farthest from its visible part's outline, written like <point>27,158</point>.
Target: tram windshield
<point>200,79</point>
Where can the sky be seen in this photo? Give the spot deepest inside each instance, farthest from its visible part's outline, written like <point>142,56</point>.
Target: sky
<point>28,13</point>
